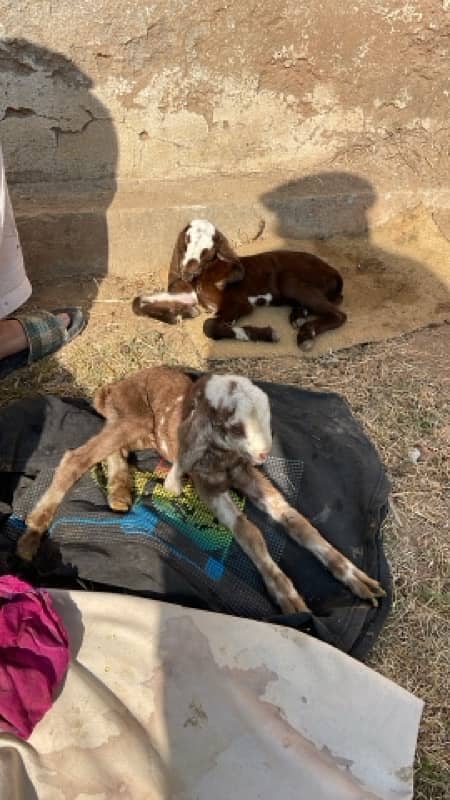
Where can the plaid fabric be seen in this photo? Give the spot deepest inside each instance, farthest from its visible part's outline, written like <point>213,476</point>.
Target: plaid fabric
<point>45,335</point>
<point>44,332</point>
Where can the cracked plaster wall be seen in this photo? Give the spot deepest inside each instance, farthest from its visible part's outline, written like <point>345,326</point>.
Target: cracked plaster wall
<point>183,88</point>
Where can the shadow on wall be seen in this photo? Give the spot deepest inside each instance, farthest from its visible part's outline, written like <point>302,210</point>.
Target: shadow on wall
<point>321,205</point>
<point>387,290</point>
<point>60,147</point>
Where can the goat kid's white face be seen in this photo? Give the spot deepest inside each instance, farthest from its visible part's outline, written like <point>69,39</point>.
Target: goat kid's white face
<point>258,436</point>
<point>199,238</point>
<point>247,429</point>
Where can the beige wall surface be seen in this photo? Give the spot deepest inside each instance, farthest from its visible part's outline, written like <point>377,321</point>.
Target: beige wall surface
<point>226,99</point>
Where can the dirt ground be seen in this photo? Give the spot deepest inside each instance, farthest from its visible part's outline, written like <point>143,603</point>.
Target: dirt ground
<point>399,389</point>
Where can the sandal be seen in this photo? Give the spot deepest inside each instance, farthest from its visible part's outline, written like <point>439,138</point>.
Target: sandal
<point>45,334</point>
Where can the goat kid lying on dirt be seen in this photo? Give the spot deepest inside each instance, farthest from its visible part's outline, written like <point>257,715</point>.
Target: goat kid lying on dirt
<point>215,429</point>
<point>205,271</point>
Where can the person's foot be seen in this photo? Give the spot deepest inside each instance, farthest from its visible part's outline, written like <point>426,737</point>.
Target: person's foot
<point>28,336</point>
<point>13,338</point>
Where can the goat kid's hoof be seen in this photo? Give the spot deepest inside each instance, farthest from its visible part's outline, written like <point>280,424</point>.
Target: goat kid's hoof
<point>308,344</point>
<point>28,545</point>
<point>293,604</point>
<point>367,588</point>
<point>193,312</point>
<point>306,336</point>
<point>117,503</point>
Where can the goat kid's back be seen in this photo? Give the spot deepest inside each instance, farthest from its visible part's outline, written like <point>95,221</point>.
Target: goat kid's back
<point>277,273</point>
<point>153,401</point>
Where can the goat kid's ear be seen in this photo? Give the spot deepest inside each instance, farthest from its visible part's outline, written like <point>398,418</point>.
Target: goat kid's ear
<point>225,252</point>
<point>177,256</point>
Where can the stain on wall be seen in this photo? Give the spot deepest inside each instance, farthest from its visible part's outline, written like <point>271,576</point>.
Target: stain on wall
<point>222,87</point>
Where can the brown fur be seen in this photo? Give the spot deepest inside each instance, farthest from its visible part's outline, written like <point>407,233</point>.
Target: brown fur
<point>164,409</point>
<point>224,284</point>
<point>300,280</point>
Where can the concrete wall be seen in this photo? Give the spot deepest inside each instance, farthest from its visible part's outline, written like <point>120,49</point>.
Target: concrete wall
<point>144,113</point>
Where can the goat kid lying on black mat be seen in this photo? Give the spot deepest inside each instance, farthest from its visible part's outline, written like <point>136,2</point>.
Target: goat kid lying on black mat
<point>216,430</point>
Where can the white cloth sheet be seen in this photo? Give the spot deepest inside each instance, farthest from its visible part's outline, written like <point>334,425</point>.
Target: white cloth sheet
<point>167,702</point>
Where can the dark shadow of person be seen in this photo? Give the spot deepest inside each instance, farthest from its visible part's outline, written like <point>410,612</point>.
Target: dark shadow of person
<point>60,149</point>
<point>387,292</point>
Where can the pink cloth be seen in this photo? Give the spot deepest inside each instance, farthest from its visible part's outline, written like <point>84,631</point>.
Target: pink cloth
<point>34,655</point>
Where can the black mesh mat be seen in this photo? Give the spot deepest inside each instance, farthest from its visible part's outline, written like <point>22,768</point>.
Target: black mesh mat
<point>173,549</point>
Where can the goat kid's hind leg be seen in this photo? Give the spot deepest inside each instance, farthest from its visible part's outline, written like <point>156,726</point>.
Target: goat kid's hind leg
<point>118,481</point>
<point>261,491</point>
<point>224,325</point>
<point>216,328</point>
<point>250,538</point>
<point>315,302</point>
<point>72,466</point>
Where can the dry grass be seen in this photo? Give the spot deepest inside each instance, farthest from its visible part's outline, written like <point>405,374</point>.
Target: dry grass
<point>399,390</point>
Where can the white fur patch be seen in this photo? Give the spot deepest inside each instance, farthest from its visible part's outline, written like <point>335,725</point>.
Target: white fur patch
<point>350,574</point>
<point>240,334</point>
<point>258,435</point>
<point>225,511</point>
<point>267,298</point>
<point>201,233</point>
<point>186,298</point>
<point>173,479</point>
<point>250,406</point>
<point>163,447</point>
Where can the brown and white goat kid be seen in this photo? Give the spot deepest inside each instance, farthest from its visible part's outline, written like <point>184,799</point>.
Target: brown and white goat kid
<point>215,429</point>
<point>205,271</point>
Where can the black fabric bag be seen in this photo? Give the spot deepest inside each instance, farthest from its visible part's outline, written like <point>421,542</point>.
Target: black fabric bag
<point>172,549</point>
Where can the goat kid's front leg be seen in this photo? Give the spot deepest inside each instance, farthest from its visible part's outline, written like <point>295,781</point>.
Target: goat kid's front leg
<point>261,491</point>
<point>250,538</point>
<point>118,481</point>
<point>72,466</point>
<point>173,481</point>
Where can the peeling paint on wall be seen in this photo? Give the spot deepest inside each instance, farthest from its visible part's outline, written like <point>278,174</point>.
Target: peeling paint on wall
<point>226,89</point>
